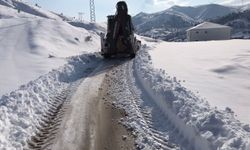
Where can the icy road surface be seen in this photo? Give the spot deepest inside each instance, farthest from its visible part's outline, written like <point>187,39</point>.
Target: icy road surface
<point>76,126</point>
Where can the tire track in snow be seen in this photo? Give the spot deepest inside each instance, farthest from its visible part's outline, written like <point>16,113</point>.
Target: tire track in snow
<point>159,138</point>
<point>51,120</point>
<point>15,25</point>
<point>126,94</point>
<point>165,119</point>
<point>50,123</point>
<point>154,123</point>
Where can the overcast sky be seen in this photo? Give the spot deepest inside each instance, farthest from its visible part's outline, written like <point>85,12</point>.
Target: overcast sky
<point>106,7</point>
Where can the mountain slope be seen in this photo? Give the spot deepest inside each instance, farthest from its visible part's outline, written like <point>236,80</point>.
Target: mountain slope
<point>32,45</point>
<point>23,9</point>
<point>240,23</point>
<point>204,12</point>
<point>7,3</point>
<point>32,48</point>
<point>160,24</point>
<point>171,24</point>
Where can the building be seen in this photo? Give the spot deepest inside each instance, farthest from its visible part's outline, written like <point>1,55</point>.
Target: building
<point>209,31</point>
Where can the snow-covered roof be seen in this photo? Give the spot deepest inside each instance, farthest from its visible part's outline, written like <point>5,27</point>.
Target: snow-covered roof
<point>208,25</point>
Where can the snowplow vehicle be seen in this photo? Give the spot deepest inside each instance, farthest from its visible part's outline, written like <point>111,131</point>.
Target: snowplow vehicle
<point>120,38</point>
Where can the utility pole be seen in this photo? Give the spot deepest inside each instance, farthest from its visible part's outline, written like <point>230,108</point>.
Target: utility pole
<point>92,11</point>
<point>80,15</point>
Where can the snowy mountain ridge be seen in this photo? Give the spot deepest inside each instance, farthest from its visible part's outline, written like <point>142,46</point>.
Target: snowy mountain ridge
<point>204,12</point>
<point>240,23</point>
<point>170,24</point>
<point>245,7</point>
<point>160,24</point>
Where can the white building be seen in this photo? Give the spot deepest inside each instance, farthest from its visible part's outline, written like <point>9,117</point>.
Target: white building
<point>209,31</point>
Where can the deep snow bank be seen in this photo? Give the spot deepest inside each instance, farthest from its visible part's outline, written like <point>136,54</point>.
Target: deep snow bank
<point>188,113</point>
<point>21,110</point>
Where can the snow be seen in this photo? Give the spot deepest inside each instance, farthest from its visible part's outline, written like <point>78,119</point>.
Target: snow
<point>171,24</point>
<point>41,55</point>
<point>32,47</point>
<point>218,70</point>
<point>208,25</point>
<point>15,9</point>
<point>79,125</point>
<point>6,12</point>
<point>204,12</point>
<point>245,7</point>
<point>161,109</point>
<point>36,63</point>
<point>22,109</point>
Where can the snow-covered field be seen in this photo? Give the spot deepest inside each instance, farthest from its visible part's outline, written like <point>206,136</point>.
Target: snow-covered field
<point>218,70</point>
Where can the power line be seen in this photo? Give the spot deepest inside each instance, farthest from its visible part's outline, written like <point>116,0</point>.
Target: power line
<point>92,11</point>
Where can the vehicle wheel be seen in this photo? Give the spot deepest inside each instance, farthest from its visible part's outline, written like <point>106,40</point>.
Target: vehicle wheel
<point>132,55</point>
<point>106,56</point>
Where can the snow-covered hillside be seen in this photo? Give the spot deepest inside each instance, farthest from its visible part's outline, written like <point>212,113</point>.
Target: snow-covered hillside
<point>7,12</point>
<point>204,12</point>
<point>171,24</point>
<point>162,24</point>
<point>14,8</point>
<point>245,7</point>
<point>33,45</point>
<point>240,23</point>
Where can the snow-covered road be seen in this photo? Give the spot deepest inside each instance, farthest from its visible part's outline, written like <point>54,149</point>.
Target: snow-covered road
<point>80,121</point>
<point>78,126</point>
<point>75,122</point>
